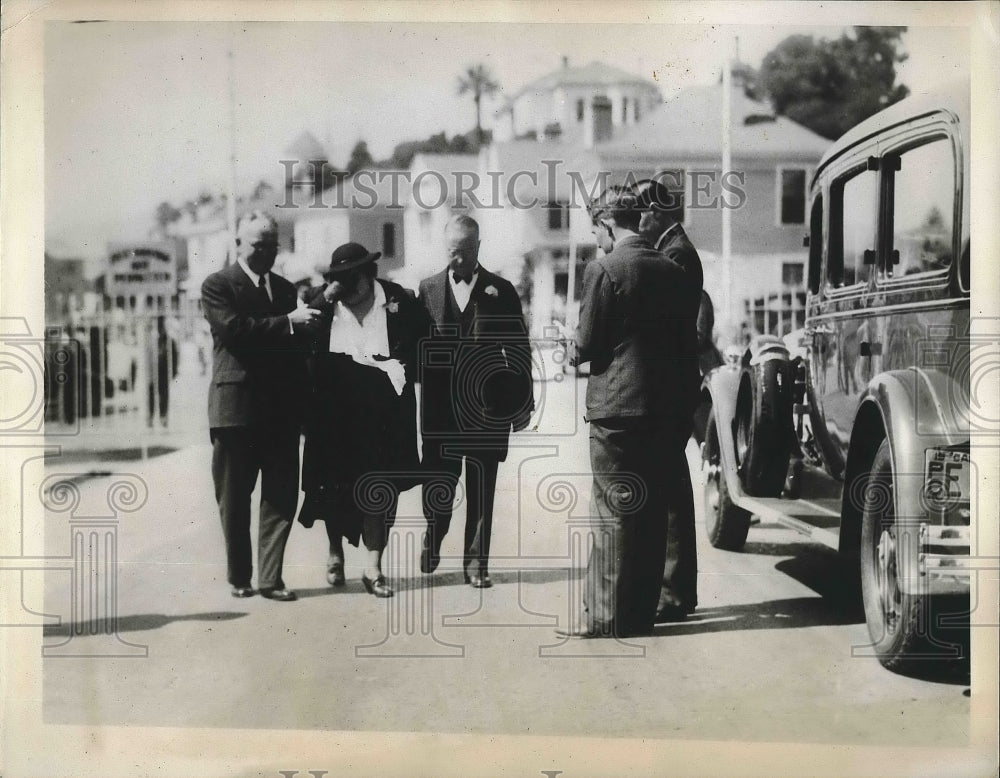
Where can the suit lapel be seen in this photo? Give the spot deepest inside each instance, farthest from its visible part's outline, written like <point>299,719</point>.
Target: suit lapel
<point>437,289</point>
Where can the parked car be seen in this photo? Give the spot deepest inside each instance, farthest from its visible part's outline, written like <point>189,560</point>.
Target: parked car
<point>856,429</point>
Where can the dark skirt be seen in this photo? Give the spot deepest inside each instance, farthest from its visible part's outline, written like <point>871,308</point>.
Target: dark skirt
<point>360,448</point>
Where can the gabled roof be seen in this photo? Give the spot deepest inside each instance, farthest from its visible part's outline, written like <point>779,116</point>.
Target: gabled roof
<point>593,74</point>
<point>690,125</point>
<point>305,147</point>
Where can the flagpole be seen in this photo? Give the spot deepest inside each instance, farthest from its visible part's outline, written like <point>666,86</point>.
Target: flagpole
<point>730,316</point>
<point>231,183</point>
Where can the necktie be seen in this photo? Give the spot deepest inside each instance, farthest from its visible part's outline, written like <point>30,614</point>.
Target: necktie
<point>262,285</point>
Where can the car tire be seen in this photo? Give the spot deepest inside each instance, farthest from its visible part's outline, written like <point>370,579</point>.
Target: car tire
<point>900,625</point>
<point>762,428</point>
<point>726,523</point>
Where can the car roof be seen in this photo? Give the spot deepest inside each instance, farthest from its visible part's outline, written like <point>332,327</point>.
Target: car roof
<point>953,96</point>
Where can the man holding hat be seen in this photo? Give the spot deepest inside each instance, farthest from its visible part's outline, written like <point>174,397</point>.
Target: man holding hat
<point>260,341</point>
<point>361,429</point>
<point>476,387</point>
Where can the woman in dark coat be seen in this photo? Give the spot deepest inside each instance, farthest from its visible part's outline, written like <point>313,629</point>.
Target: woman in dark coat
<point>361,436</point>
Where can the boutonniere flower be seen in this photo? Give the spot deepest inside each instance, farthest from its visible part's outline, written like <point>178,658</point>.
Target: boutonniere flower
<point>491,291</point>
<point>392,306</point>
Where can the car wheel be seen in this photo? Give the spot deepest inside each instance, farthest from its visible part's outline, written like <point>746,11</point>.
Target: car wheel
<point>726,523</point>
<point>893,617</point>
<point>763,431</point>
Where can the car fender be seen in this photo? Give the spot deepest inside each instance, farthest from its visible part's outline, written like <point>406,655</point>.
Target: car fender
<point>722,386</point>
<point>906,407</point>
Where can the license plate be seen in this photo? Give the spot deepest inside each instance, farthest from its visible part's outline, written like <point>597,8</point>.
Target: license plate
<point>947,474</point>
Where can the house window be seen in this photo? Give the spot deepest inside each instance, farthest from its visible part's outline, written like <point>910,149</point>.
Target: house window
<point>389,239</point>
<point>637,112</point>
<point>793,196</point>
<point>923,201</point>
<point>624,110</point>
<point>425,225</point>
<point>853,208</point>
<point>791,274</point>
<point>579,110</point>
<point>558,215</point>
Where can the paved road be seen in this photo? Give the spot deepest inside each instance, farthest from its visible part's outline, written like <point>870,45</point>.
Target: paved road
<point>767,656</point>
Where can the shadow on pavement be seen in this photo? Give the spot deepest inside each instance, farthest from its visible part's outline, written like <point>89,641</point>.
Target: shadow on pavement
<point>136,623</point>
<point>450,578</point>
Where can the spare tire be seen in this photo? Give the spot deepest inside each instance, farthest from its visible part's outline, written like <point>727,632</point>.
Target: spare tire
<point>762,426</point>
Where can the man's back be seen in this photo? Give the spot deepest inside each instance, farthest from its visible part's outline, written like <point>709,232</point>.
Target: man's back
<point>636,328</point>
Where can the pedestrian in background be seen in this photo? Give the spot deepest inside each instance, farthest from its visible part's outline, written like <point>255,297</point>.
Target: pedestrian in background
<point>476,388</point>
<point>361,429</point>
<point>161,369</point>
<point>637,331</point>
<point>255,400</point>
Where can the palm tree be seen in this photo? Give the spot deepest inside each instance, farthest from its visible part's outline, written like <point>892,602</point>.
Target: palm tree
<point>478,81</point>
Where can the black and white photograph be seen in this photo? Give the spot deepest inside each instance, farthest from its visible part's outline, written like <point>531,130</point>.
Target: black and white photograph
<point>564,389</point>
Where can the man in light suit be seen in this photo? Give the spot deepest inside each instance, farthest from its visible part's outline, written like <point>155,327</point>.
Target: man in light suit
<point>637,331</point>
<point>260,342</point>
<point>475,388</point>
<point>659,225</point>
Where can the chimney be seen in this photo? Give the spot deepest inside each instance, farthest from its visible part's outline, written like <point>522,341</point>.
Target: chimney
<point>599,126</point>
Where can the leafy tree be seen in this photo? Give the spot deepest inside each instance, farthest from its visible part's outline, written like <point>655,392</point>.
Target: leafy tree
<point>829,86</point>
<point>361,158</point>
<point>477,81</point>
<point>166,214</point>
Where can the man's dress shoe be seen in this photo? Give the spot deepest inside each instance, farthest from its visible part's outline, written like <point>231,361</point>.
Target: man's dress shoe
<point>335,573</point>
<point>430,558</point>
<point>582,633</point>
<point>281,595</point>
<point>670,614</point>
<point>479,581</point>
<point>378,587</point>
<point>243,591</point>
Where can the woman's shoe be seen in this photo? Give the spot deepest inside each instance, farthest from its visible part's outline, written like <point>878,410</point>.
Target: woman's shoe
<point>378,587</point>
<point>335,573</point>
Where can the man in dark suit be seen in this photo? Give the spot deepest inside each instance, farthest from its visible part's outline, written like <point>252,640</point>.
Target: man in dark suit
<point>637,331</point>
<point>660,227</point>
<point>255,399</point>
<point>475,388</point>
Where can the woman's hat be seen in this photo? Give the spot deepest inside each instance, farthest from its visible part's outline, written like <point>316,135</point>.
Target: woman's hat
<point>348,257</point>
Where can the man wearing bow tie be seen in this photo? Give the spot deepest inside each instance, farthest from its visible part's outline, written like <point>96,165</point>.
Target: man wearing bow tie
<point>260,342</point>
<point>475,388</point>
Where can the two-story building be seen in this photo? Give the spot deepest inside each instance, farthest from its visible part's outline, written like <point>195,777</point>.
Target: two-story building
<point>772,159</point>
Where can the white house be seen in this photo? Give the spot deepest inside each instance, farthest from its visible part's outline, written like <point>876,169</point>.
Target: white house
<point>559,103</point>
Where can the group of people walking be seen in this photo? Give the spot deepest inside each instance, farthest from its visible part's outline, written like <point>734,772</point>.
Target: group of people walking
<point>341,365</point>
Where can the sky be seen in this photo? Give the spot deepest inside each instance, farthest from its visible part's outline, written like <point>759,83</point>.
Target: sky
<point>139,113</point>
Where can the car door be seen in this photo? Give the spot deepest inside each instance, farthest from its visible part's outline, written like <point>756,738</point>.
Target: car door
<point>839,320</point>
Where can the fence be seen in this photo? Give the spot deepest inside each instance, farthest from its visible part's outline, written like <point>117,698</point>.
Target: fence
<point>777,313</point>
<point>122,362</point>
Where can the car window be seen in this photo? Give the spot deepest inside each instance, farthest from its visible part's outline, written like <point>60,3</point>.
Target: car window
<point>853,214</point>
<point>816,244</point>
<point>922,210</point>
